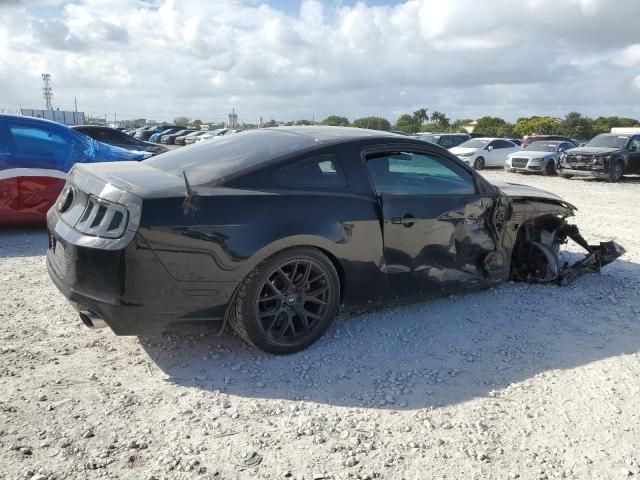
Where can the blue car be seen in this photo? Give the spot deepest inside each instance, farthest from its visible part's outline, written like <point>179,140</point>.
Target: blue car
<point>35,157</point>
<point>155,138</point>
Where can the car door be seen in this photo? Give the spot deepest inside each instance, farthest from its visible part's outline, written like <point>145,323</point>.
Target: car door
<point>435,223</point>
<point>490,154</point>
<point>634,155</point>
<point>501,149</point>
<point>9,190</point>
<point>42,154</point>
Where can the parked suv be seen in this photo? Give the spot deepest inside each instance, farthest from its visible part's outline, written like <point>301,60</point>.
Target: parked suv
<point>446,140</point>
<point>607,156</point>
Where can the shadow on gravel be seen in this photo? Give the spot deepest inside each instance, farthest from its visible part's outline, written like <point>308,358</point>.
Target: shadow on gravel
<point>23,241</point>
<point>434,353</point>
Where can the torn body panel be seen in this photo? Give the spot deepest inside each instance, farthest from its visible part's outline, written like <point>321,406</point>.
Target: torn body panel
<point>536,253</point>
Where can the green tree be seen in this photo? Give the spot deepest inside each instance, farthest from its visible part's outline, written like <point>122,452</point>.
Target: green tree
<point>537,126</point>
<point>270,123</point>
<point>575,125</point>
<point>181,121</point>
<point>372,123</point>
<point>492,126</point>
<point>197,123</point>
<point>336,121</point>
<point>407,123</point>
<point>458,125</point>
<point>299,122</point>
<point>421,116</point>
<point>440,120</point>
<point>605,124</point>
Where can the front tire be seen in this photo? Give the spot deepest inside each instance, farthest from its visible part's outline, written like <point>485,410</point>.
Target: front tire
<point>287,302</point>
<point>615,172</point>
<point>479,163</point>
<point>549,168</point>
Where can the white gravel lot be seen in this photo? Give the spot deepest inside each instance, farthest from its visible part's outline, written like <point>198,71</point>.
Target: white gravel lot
<point>521,381</point>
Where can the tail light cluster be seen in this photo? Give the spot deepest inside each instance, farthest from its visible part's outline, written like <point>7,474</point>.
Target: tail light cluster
<point>103,219</point>
<point>92,215</point>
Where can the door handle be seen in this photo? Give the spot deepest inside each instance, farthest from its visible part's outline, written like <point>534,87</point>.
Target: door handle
<point>407,220</point>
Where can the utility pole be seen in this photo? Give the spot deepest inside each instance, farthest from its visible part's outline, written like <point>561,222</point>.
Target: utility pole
<point>75,115</point>
<point>115,119</point>
<point>47,91</point>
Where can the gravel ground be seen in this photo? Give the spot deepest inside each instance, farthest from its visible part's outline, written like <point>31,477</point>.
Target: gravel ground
<point>520,381</point>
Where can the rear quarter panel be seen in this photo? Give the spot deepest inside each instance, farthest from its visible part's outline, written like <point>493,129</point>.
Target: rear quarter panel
<point>229,235</point>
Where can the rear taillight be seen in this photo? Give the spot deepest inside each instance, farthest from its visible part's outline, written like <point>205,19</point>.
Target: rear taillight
<point>102,218</point>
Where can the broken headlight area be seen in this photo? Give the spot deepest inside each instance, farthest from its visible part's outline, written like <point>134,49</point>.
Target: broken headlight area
<point>537,258</point>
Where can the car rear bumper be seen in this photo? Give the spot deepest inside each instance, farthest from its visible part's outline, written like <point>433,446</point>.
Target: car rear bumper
<point>130,289</point>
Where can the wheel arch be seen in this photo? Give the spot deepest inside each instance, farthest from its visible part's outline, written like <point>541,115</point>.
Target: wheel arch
<point>325,246</point>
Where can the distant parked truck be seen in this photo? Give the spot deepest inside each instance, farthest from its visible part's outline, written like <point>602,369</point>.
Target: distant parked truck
<point>625,130</point>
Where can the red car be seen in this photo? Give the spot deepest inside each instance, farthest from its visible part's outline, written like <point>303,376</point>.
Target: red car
<point>35,157</point>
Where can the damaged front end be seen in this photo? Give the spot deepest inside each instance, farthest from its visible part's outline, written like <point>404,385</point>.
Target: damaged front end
<point>536,256</point>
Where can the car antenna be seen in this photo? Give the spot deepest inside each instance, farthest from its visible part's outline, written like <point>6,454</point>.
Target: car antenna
<point>190,203</point>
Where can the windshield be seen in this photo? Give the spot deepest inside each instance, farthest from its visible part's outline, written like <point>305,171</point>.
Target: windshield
<point>216,160</point>
<point>428,138</point>
<point>543,146</point>
<point>474,143</point>
<point>608,141</point>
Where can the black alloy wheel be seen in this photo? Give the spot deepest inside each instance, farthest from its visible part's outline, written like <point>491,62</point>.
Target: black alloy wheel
<point>287,302</point>
<point>479,163</point>
<point>615,172</point>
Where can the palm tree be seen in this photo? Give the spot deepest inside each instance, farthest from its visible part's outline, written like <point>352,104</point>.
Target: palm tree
<point>421,116</point>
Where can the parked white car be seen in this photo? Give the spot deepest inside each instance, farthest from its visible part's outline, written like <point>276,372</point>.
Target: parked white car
<point>539,157</point>
<point>485,152</point>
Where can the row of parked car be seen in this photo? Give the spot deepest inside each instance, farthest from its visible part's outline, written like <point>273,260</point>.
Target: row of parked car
<point>607,156</point>
<point>178,135</point>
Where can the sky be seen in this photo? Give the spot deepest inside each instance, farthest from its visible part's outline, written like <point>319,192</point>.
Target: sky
<point>290,59</point>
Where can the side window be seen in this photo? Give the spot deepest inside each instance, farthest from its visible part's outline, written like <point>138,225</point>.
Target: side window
<point>40,148</point>
<point>317,172</point>
<point>446,141</point>
<point>404,173</point>
<point>502,144</point>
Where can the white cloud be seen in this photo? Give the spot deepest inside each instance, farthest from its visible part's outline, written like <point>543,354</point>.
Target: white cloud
<point>199,58</point>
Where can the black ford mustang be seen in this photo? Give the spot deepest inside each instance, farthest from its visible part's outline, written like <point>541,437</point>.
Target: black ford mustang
<point>273,229</point>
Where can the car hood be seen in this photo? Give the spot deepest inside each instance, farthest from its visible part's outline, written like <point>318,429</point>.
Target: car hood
<point>459,150</point>
<point>592,150</point>
<point>518,191</point>
<point>529,154</point>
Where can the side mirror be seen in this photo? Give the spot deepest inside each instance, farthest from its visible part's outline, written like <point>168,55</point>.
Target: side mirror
<point>489,148</point>
<point>634,148</point>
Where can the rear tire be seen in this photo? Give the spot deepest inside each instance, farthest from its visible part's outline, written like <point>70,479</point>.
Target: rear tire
<point>564,175</point>
<point>479,163</point>
<point>615,172</point>
<point>287,302</point>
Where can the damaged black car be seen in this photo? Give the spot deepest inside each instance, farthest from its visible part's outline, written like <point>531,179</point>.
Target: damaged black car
<point>607,156</point>
<point>272,230</point>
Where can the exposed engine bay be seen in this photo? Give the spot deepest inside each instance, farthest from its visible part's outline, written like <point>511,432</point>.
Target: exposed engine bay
<point>536,256</point>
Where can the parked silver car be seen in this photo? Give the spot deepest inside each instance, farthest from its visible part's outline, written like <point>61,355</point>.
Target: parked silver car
<point>539,157</point>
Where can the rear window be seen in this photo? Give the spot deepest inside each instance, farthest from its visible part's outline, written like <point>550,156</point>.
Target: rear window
<point>224,156</point>
<point>320,171</point>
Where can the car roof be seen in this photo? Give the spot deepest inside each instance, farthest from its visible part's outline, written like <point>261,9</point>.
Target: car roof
<point>34,120</point>
<point>328,134</point>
